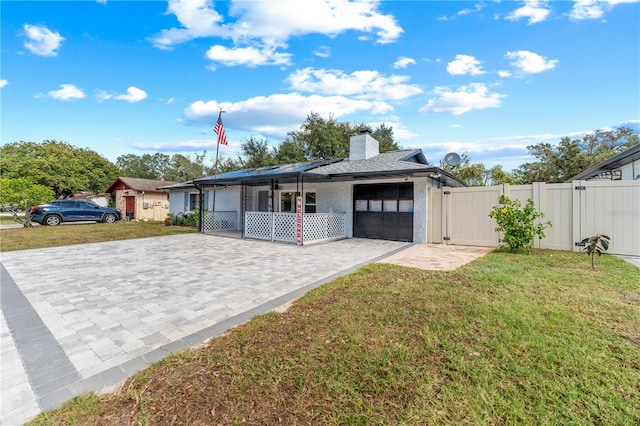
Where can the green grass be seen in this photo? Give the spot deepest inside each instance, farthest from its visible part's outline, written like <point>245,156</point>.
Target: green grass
<point>54,236</point>
<point>7,219</point>
<point>509,339</point>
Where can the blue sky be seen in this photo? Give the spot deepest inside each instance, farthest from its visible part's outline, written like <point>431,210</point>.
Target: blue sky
<point>487,78</point>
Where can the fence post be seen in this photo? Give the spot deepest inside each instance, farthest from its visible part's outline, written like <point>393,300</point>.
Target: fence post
<point>540,204</point>
<point>445,195</point>
<point>577,208</point>
<point>273,224</point>
<point>506,190</point>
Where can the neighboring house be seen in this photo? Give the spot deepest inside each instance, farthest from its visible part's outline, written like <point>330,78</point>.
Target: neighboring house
<point>623,166</point>
<point>368,195</point>
<point>140,199</point>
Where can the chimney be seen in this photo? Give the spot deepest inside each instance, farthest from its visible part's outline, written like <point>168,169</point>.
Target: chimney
<point>363,146</point>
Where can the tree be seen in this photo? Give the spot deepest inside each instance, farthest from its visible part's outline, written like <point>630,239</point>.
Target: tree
<point>384,135</point>
<point>289,152</point>
<point>570,157</point>
<point>477,174</point>
<point>63,168</point>
<point>22,194</point>
<point>158,166</point>
<point>225,164</point>
<point>257,153</point>
<point>182,168</point>
<point>323,138</point>
<point>136,166</point>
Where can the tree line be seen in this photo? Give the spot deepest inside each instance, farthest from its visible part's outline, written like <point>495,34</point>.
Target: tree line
<point>54,169</point>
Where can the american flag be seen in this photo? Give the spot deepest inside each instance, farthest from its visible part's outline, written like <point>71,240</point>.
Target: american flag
<point>219,130</point>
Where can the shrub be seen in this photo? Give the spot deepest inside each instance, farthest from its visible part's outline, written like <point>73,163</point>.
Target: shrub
<point>185,219</point>
<point>596,244</point>
<point>518,224</point>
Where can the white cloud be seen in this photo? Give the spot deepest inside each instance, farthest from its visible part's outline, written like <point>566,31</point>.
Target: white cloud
<point>359,84</point>
<point>66,93</point>
<point>281,20</point>
<point>403,62</point>
<point>594,9</point>
<point>198,19</point>
<point>475,96</point>
<point>400,131</point>
<point>188,145</point>
<point>478,7</point>
<point>3,83</point>
<point>323,52</point>
<point>41,40</point>
<point>463,65</point>
<point>278,114</point>
<point>249,56</point>
<point>504,73</point>
<point>586,9</point>
<point>535,10</point>
<point>261,27</point>
<point>529,62</point>
<point>133,95</point>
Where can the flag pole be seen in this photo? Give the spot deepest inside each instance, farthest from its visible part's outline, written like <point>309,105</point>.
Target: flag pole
<point>221,138</point>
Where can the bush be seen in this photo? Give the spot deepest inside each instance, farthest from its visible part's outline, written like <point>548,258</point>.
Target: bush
<point>190,219</point>
<point>518,224</point>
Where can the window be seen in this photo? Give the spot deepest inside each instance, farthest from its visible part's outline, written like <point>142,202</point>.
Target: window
<point>361,205</point>
<point>309,202</point>
<point>263,201</point>
<point>194,201</point>
<point>390,205</point>
<point>288,201</point>
<point>406,205</point>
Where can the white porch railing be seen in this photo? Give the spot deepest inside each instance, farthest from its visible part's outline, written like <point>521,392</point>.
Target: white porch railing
<point>220,221</point>
<point>316,227</point>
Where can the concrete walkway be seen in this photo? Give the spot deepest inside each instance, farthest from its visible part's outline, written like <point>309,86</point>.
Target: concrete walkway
<point>85,317</point>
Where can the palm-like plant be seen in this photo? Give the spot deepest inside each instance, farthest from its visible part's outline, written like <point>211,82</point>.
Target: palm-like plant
<point>596,244</point>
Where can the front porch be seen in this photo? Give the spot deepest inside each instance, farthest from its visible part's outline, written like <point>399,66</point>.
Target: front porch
<point>303,229</point>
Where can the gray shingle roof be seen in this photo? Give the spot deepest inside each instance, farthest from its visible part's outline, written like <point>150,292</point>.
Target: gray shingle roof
<point>138,184</point>
<point>386,162</point>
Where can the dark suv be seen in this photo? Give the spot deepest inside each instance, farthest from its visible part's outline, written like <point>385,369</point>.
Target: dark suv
<point>59,211</point>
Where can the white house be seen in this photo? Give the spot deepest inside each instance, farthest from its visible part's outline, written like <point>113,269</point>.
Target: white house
<point>368,195</point>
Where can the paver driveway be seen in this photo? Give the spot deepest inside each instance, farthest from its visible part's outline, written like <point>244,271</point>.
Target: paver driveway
<point>85,317</point>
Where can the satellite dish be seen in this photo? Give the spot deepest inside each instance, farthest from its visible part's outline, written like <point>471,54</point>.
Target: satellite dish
<point>452,159</point>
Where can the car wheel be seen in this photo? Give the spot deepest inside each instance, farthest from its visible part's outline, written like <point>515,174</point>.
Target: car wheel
<point>109,218</point>
<point>52,220</point>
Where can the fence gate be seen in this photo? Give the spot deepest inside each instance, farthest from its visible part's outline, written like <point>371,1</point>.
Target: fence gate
<point>577,210</point>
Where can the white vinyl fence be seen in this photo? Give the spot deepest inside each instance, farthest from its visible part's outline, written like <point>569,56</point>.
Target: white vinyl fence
<point>577,210</point>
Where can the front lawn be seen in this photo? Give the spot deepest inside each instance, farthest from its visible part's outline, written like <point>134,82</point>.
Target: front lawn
<point>67,234</point>
<point>509,339</point>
